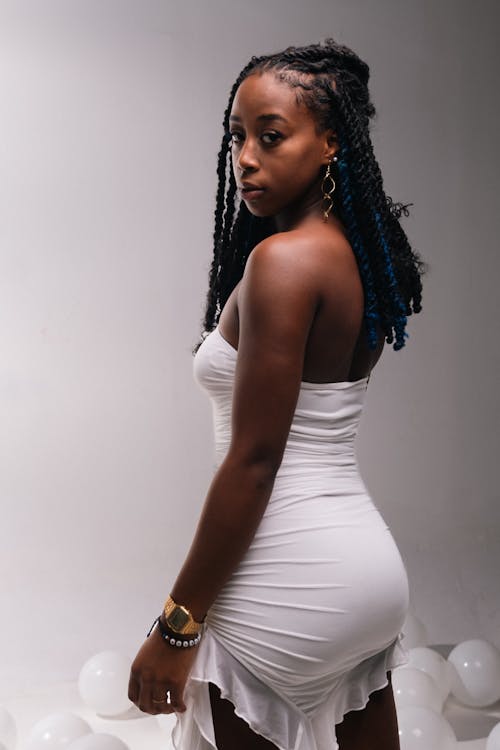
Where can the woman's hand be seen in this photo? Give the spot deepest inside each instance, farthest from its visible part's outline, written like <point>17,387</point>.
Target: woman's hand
<point>157,669</point>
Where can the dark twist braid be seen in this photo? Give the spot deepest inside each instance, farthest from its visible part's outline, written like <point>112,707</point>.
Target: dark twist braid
<point>332,81</point>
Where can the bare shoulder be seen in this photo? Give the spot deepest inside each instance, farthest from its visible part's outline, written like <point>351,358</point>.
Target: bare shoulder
<point>303,248</point>
<point>279,288</point>
<point>281,252</point>
<point>301,252</point>
<point>302,267</point>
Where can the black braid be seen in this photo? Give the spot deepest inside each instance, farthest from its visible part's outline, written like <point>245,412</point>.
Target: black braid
<point>332,81</point>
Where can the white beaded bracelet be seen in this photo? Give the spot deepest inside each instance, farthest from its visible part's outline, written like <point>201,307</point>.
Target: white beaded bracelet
<point>172,638</point>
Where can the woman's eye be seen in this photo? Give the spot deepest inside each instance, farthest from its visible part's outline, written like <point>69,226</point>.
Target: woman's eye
<point>272,136</point>
<point>268,139</point>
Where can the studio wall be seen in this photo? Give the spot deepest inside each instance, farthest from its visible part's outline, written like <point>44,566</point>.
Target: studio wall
<point>110,123</point>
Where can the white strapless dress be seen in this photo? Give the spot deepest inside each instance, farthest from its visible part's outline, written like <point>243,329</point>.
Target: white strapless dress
<point>310,621</point>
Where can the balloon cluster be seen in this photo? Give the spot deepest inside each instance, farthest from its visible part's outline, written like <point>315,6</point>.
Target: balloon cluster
<point>471,674</point>
<point>71,732</point>
<point>103,687</point>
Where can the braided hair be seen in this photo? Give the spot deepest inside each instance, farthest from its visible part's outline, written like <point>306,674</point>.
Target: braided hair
<point>332,81</point>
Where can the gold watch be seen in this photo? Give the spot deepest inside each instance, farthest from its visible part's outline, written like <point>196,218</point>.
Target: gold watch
<point>179,618</point>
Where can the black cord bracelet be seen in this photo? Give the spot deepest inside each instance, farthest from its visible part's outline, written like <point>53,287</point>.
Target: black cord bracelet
<point>180,640</point>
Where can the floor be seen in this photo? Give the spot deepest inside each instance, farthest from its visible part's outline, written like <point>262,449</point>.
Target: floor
<point>143,732</point>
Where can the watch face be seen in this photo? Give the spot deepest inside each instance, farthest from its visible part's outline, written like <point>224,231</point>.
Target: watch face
<point>178,618</point>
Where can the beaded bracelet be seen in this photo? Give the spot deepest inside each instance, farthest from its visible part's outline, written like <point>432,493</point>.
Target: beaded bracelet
<point>175,639</point>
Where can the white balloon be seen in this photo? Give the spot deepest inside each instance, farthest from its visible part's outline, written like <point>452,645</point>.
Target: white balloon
<point>412,687</point>
<point>415,632</point>
<point>421,728</point>
<point>476,673</point>
<point>103,683</point>
<point>98,741</point>
<point>8,730</point>
<point>433,664</point>
<point>56,731</point>
<point>451,673</point>
<point>493,739</point>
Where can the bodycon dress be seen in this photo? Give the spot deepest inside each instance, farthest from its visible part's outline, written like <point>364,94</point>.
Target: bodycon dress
<point>310,620</point>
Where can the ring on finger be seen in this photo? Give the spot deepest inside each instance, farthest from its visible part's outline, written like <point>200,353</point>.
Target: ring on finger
<point>166,699</point>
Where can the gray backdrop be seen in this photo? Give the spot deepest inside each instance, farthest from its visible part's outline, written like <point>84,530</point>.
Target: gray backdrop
<point>110,123</point>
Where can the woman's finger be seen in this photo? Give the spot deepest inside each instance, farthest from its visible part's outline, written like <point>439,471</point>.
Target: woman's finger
<point>176,698</point>
<point>162,701</point>
<point>155,698</point>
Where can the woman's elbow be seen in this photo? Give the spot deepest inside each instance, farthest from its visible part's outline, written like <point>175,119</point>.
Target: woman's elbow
<point>261,462</point>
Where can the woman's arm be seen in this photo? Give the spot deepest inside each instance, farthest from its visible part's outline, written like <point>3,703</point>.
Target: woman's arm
<point>277,302</point>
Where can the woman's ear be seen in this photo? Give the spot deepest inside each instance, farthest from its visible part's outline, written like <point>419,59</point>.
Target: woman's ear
<point>331,144</point>
<point>332,138</point>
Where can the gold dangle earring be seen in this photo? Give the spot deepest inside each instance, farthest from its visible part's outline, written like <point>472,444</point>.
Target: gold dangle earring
<point>328,191</point>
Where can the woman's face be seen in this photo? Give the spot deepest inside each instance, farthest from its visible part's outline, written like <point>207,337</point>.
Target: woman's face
<point>275,149</point>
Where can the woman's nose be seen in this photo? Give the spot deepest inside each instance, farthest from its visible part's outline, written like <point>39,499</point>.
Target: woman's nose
<point>247,158</point>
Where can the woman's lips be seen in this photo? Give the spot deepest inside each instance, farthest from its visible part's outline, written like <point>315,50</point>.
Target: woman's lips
<point>251,194</point>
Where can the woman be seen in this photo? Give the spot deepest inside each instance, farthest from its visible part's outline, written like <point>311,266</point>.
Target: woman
<point>284,623</point>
